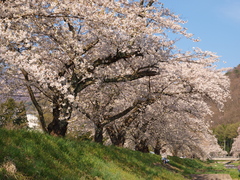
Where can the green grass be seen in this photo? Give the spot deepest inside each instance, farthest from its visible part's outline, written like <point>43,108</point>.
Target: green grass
<point>40,156</point>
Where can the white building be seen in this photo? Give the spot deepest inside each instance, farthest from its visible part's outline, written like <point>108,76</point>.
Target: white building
<point>33,122</point>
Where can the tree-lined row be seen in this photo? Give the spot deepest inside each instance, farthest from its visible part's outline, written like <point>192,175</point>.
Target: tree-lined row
<point>113,62</point>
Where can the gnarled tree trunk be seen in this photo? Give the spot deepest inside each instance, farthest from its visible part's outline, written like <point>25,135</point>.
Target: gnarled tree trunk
<point>117,138</point>
<point>57,127</point>
<point>142,146</point>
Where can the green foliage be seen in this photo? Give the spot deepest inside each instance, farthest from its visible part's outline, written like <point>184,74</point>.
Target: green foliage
<point>12,114</point>
<point>225,133</point>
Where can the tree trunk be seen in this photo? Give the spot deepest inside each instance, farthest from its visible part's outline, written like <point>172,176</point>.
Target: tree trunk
<point>98,137</point>
<point>117,138</point>
<point>57,127</point>
<point>142,146</point>
<point>157,148</point>
<point>175,150</point>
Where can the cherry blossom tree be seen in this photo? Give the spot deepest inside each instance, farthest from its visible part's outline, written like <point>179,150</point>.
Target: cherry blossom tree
<point>235,151</point>
<point>64,47</point>
<point>178,110</point>
<point>114,62</point>
<point>179,134</point>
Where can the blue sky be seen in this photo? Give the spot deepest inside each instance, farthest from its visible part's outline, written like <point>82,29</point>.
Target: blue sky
<point>216,23</point>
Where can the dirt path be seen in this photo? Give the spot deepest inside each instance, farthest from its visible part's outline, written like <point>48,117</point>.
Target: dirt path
<point>211,177</point>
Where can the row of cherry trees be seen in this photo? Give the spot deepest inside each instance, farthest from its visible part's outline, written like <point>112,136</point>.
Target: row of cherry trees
<point>113,62</point>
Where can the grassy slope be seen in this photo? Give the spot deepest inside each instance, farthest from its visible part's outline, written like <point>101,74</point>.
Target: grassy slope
<point>39,156</point>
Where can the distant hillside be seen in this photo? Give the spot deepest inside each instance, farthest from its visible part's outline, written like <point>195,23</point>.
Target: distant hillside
<point>29,155</point>
<point>231,113</point>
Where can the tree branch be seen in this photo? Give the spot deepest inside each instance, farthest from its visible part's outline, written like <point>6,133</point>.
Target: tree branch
<point>79,86</point>
<point>131,77</point>
<point>150,3</point>
<point>139,104</point>
<point>36,104</point>
<point>111,59</point>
